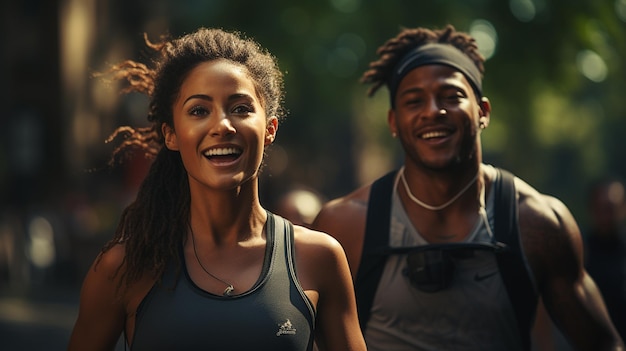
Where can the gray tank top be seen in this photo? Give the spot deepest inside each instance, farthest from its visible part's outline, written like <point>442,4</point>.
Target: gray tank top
<point>274,315</point>
<point>473,313</point>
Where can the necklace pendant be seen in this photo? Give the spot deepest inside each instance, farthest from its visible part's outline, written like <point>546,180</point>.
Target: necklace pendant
<point>228,291</point>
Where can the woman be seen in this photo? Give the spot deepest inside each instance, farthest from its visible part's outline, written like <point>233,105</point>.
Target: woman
<point>196,262</point>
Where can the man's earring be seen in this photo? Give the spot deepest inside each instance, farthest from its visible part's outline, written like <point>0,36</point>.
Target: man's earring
<point>482,124</point>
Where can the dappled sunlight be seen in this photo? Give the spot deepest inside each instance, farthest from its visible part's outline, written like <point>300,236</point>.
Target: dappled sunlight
<point>591,65</point>
<point>558,120</point>
<point>486,37</point>
<point>41,249</point>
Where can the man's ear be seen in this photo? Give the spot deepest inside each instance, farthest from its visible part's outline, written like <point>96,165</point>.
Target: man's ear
<point>485,113</point>
<point>170,137</point>
<point>270,130</point>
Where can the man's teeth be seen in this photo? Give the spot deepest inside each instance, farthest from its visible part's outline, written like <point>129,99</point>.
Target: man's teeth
<point>222,152</point>
<point>436,134</point>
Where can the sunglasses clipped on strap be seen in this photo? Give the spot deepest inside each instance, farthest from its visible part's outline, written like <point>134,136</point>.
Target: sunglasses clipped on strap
<point>430,268</point>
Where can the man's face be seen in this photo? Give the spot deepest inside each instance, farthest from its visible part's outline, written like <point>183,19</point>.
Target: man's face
<point>437,117</point>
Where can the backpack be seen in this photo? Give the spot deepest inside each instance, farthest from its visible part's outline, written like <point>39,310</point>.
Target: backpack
<point>515,273</point>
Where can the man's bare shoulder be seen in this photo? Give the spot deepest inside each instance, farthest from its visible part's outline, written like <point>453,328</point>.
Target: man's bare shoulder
<point>541,211</point>
<point>344,219</point>
<point>345,215</point>
<point>352,203</point>
<point>550,235</point>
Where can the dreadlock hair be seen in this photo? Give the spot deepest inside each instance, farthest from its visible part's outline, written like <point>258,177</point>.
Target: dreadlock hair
<point>153,226</point>
<point>394,49</point>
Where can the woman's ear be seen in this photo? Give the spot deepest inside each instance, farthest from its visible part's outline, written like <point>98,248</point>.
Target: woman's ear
<point>170,137</point>
<point>270,130</point>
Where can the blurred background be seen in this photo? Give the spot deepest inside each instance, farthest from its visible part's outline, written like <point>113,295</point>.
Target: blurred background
<point>555,75</point>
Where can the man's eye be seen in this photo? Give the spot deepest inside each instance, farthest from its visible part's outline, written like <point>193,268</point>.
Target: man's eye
<point>415,101</point>
<point>452,98</point>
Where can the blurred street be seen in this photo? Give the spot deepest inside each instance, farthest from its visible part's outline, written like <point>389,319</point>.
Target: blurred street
<point>41,319</point>
<point>37,320</point>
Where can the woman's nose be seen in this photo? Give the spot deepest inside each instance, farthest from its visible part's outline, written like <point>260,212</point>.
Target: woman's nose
<point>222,125</point>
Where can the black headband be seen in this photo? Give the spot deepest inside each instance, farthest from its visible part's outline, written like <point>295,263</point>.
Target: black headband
<point>435,53</point>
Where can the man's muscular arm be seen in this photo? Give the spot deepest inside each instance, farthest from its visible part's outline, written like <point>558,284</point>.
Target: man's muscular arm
<point>553,244</point>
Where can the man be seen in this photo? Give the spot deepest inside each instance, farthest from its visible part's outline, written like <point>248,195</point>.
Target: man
<point>449,253</point>
<point>605,246</point>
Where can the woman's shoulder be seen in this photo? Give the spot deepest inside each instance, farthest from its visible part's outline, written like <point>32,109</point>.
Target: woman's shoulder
<point>316,243</point>
<point>320,258</point>
<point>110,260</point>
<point>110,267</point>
<point>308,236</point>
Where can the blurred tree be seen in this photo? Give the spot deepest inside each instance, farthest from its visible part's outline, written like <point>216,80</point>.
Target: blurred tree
<point>554,76</point>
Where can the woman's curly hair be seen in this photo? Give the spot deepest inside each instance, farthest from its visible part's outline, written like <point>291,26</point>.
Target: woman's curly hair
<point>153,226</point>
<point>392,51</point>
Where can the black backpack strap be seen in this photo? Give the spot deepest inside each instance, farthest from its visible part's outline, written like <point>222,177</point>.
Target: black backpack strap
<point>513,268</point>
<point>376,235</point>
<point>512,263</point>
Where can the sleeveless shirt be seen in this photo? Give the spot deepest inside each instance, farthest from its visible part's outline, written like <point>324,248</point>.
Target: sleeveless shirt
<point>275,314</point>
<point>473,313</point>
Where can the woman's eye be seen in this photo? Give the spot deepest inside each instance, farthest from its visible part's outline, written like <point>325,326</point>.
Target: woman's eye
<point>198,111</point>
<point>243,109</point>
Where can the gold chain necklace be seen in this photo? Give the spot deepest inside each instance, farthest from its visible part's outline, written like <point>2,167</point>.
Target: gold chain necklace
<point>431,207</point>
<point>229,288</point>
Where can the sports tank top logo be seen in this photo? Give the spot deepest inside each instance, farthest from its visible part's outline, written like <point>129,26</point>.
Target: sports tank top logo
<point>286,329</point>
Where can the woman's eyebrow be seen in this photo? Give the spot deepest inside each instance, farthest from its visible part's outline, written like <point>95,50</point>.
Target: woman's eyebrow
<point>198,96</point>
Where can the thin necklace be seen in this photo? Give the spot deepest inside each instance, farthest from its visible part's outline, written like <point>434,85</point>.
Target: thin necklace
<point>431,207</point>
<point>230,288</point>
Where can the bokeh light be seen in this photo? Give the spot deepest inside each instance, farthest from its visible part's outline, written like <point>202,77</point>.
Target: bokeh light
<point>523,10</point>
<point>591,65</point>
<point>486,37</point>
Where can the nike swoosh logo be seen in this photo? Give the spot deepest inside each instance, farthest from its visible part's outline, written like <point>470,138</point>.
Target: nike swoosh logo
<point>480,278</point>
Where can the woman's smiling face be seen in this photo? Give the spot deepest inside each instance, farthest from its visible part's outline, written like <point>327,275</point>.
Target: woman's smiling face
<point>220,125</point>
